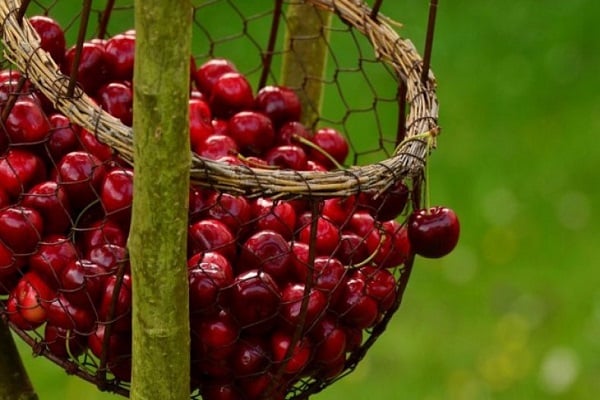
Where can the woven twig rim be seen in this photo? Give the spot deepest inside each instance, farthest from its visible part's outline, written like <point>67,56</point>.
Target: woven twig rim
<point>21,46</point>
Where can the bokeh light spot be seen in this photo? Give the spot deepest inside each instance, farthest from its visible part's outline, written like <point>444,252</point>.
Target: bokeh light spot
<point>559,369</point>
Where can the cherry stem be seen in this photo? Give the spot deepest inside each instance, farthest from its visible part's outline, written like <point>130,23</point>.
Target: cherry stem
<point>426,177</point>
<point>318,148</point>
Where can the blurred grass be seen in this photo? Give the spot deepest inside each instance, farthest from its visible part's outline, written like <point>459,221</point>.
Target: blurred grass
<point>514,312</point>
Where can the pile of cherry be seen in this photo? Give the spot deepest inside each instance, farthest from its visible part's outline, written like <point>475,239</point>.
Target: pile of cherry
<point>255,282</point>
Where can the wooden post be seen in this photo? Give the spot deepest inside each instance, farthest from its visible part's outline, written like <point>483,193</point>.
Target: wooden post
<point>14,382</point>
<point>305,56</point>
<point>157,243</point>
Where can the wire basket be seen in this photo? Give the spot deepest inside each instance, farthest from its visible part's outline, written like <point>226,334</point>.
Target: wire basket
<point>378,95</point>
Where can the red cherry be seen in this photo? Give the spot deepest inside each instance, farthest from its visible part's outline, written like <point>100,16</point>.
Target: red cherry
<point>120,52</point>
<point>20,170</point>
<point>52,36</point>
<point>100,232</point>
<point>352,249</point>
<point>117,291</point>
<point>290,131</point>
<point>13,314</point>
<point>362,223</point>
<point>277,216</point>
<point>263,386</point>
<point>287,156</point>
<point>51,201</point>
<point>332,142</point>
<point>356,308</point>
<point>21,229</point>
<point>62,138</point>
<point>116,195</point>
<point>63,343</point>
<point>220,126</point>
<point>117,100</point>
<point>215,147</point>
<point>230,94</point>
<point>215,336</point>
<point>299,260</point>
<point>389,244</point>
<point>326,239</point>
<point>61,313</point>
<point>252,131</point>
<point>279,103</point>
<point>312,165</point>
<point>81,174</point>
<point>251,356</point>
<point>32,295</point>
<point>198,203</point>
<point>92,71</point>
<point>90,143</point>
<point>207,283</point>
<point>118,353</point>
<point>109,256</point>
<point>354,338</point>
<point>329,339</point>
<point>293,295</point>
<point>267,251</point>
<point>227,390</point>
<point>27,123</point>
<point>208,73</point>
<point>4,198</point>
<point>10,266</point>
<point>381,285</point>
<point>433,232</point>
<point>52,256</point>
<point>211,235</point>
<point>301,352</point>
<point>255,301</point>
<point>82,283</point>
<point>233,211</point>
<point>200,122</point>
<point>388,205</point>
<point>339,209</point>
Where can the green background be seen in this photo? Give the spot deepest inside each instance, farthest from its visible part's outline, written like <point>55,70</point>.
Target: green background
<point>514,311</point>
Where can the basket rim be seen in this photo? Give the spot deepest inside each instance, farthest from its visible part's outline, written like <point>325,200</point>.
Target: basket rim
<point>22,47</point>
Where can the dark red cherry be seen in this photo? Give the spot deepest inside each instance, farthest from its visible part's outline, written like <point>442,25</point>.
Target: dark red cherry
<point>255,301</point>
<point>27,123</point>
<point>51,201</point>
<point>120,52</point>
<point>211,235</point>
<point>51,35</point>
<point>117,99</point>
<point>252,131</point>
<point>231,93</point>
<point>21,229</point>
<point>92,72</point>
<point>81,174</point>
<point>433,232</point>
<point>62,138</point>
<point>332,142</point>
<point>20,170</point>
<point>208,73</point>
<point>279,103</point>
<point>266,251</point>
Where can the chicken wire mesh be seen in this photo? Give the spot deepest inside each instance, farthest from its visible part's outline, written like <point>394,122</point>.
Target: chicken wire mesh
<point>298,250</point>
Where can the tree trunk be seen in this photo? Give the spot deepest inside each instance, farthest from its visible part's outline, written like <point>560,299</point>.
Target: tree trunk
<point>14,382</point>
<point>305,58</point>
<point>158,239</point>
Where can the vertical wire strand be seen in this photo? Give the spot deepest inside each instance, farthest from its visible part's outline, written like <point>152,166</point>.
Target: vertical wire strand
<point>433,5</point>
<point>85,16</point>
<point>267,57</point>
